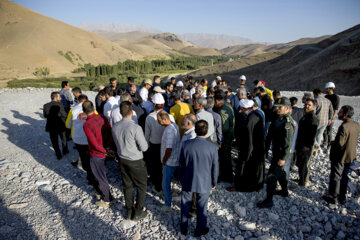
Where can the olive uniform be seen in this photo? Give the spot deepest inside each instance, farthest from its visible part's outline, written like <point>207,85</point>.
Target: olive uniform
<point>281,135</point>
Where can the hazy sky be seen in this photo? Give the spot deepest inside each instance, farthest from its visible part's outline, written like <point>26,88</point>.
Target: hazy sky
<point>260,20</point>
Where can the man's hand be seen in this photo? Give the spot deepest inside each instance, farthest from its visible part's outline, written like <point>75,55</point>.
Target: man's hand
<point>213,187</point>
<point>164,162</point>
<point>330,122</point>
<point>281,163</point>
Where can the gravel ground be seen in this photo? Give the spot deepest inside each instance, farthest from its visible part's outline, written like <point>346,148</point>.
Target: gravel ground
<point>43,198</point>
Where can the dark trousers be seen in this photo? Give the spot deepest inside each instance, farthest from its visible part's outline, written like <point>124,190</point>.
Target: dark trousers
<point>153,159</point>
<point>225,162</point>
<point>276,173</point>
<point>85,161</point>
<point>201,210</point>
<point>101,184</point>
<point>134,174</point>
<point>339,180</point>
<point>304,157</point>
<point>328,135</point>
<point>55,141</point>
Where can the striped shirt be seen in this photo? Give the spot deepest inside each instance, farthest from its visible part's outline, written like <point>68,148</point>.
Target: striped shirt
<point>324,110</point>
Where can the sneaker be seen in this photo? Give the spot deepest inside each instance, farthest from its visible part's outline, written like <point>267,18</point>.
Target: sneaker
<point>96,194</point>
<point>103,204</point>
<point>65,151</point>
<point>199,234</point>
<point>59,156</point>
<point>265,204</point>
<point>139,216</point>
<point>165,209</point>
<point>329,199</point>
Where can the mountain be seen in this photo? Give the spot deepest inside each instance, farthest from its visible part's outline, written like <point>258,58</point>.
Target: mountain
<point>134,35</point>
<point>255,49</point>
<point>309,66</point>
<point>117,27</point>
<point>217,41</point>
<point>29,40</point>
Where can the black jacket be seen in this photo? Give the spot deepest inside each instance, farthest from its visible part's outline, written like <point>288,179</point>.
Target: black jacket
<point>307,130</point>
<point>55,114</point>
<point>297,114</point>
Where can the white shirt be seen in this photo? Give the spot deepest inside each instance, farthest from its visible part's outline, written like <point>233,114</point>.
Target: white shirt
<point>116,116</point>
<point>110,104</point>
<point>192,91</point>
<point>153,130</point>
<point>78,119</point>
<point>144,94</point>
<point>208,117</point>
<point>171,139</point>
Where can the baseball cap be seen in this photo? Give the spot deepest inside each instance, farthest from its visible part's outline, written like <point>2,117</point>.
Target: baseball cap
<point>148,81</point>
<point>158,98</point>
<point>330,85</point>
<point>158,89</point>
<point>242,77</point>
<point>246,103</point>
<point>179,84</point>
<point>263,83</point>
<point>284,101</point>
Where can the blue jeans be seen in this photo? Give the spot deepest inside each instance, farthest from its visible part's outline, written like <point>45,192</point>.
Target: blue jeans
<point>168,174</point>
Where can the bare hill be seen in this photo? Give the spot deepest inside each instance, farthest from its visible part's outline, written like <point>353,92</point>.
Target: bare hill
<point>218,41</point>
<point>134,35</point>
<point>29,40</point>
<point>310,66</point>
<point>117,27</point>
<point>255,49</point>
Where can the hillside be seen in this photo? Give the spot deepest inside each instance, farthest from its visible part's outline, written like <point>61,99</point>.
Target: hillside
<point>117,27</point>
<point>218,41</point>
<point>310,66</point>
<point>134,35</point>
<point>255,49</point>
<point>29,40</point>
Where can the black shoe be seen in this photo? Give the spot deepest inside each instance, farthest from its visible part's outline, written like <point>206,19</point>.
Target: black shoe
<point>139,216</point>
<point>265,204</point>
<point>184,232</point>
<point>281,193</point>
<point>59,156</point>
<point>199,234</point>
<point>329,199</point>
<point>75,164</point>
<point>65,151</point>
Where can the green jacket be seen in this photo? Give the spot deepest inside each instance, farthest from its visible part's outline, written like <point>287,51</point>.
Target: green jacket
<point>281,134</point>
<point>228,122</point>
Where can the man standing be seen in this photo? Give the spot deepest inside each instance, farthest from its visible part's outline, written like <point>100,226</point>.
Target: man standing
<point>170,142</point>
<point>324,112</point>
<point>100,100</point>
<point>266,107</point>
<point>77,118</point>
<point>98,132</point>
<point>113,85</point>
<point>156,81</point>
<point>168,90</point>
<point>218,138</point>
<point>198,174</point>
<point>308,125</point>
<point>136,99</point>
<point>66,97</point>
<point>179,109</point>
<point>281,135</point>
<point>201,114</point>
<point>335,101</point>
<point>342,154</point>
<point>153,135</point>
<point>242,81</point>
<point>111,103</point>
<point>250,169</point>
<point>55,114</point>
<point>228,122</point>
<point>131,143</point>
<point>76,91</point>
<point>144,92</point>
<point>296,112</point>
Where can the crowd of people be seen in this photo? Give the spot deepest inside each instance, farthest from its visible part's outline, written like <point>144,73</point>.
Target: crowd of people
<point>184,131</point>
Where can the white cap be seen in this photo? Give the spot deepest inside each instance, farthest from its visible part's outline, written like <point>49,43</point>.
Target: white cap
<point>179,84</point>
<point>242,77</point>
<point>158,89</point>
<point>158,98</point>
<point>330,85</point>
<point>218,78</point>
<point>148,81</point>
<point>246,103</point>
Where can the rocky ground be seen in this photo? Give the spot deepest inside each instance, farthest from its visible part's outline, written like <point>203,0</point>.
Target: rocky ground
<point>43,198</point>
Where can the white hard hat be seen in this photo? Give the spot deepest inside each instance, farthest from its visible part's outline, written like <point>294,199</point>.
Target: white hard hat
<point>330,85</point>
<point>179,84</point>
<point>158,98</point>
<point>218,78</point>
<point>242,77</point>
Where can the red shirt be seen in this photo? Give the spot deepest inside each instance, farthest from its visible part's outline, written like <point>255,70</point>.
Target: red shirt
<point>98,133</point>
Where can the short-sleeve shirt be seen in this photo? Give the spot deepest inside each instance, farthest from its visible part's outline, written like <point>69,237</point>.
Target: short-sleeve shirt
<point>335,100</point>
<point>171,139</point>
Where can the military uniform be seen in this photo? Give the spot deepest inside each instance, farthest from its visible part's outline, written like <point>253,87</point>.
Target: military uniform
<point>281,135</point>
